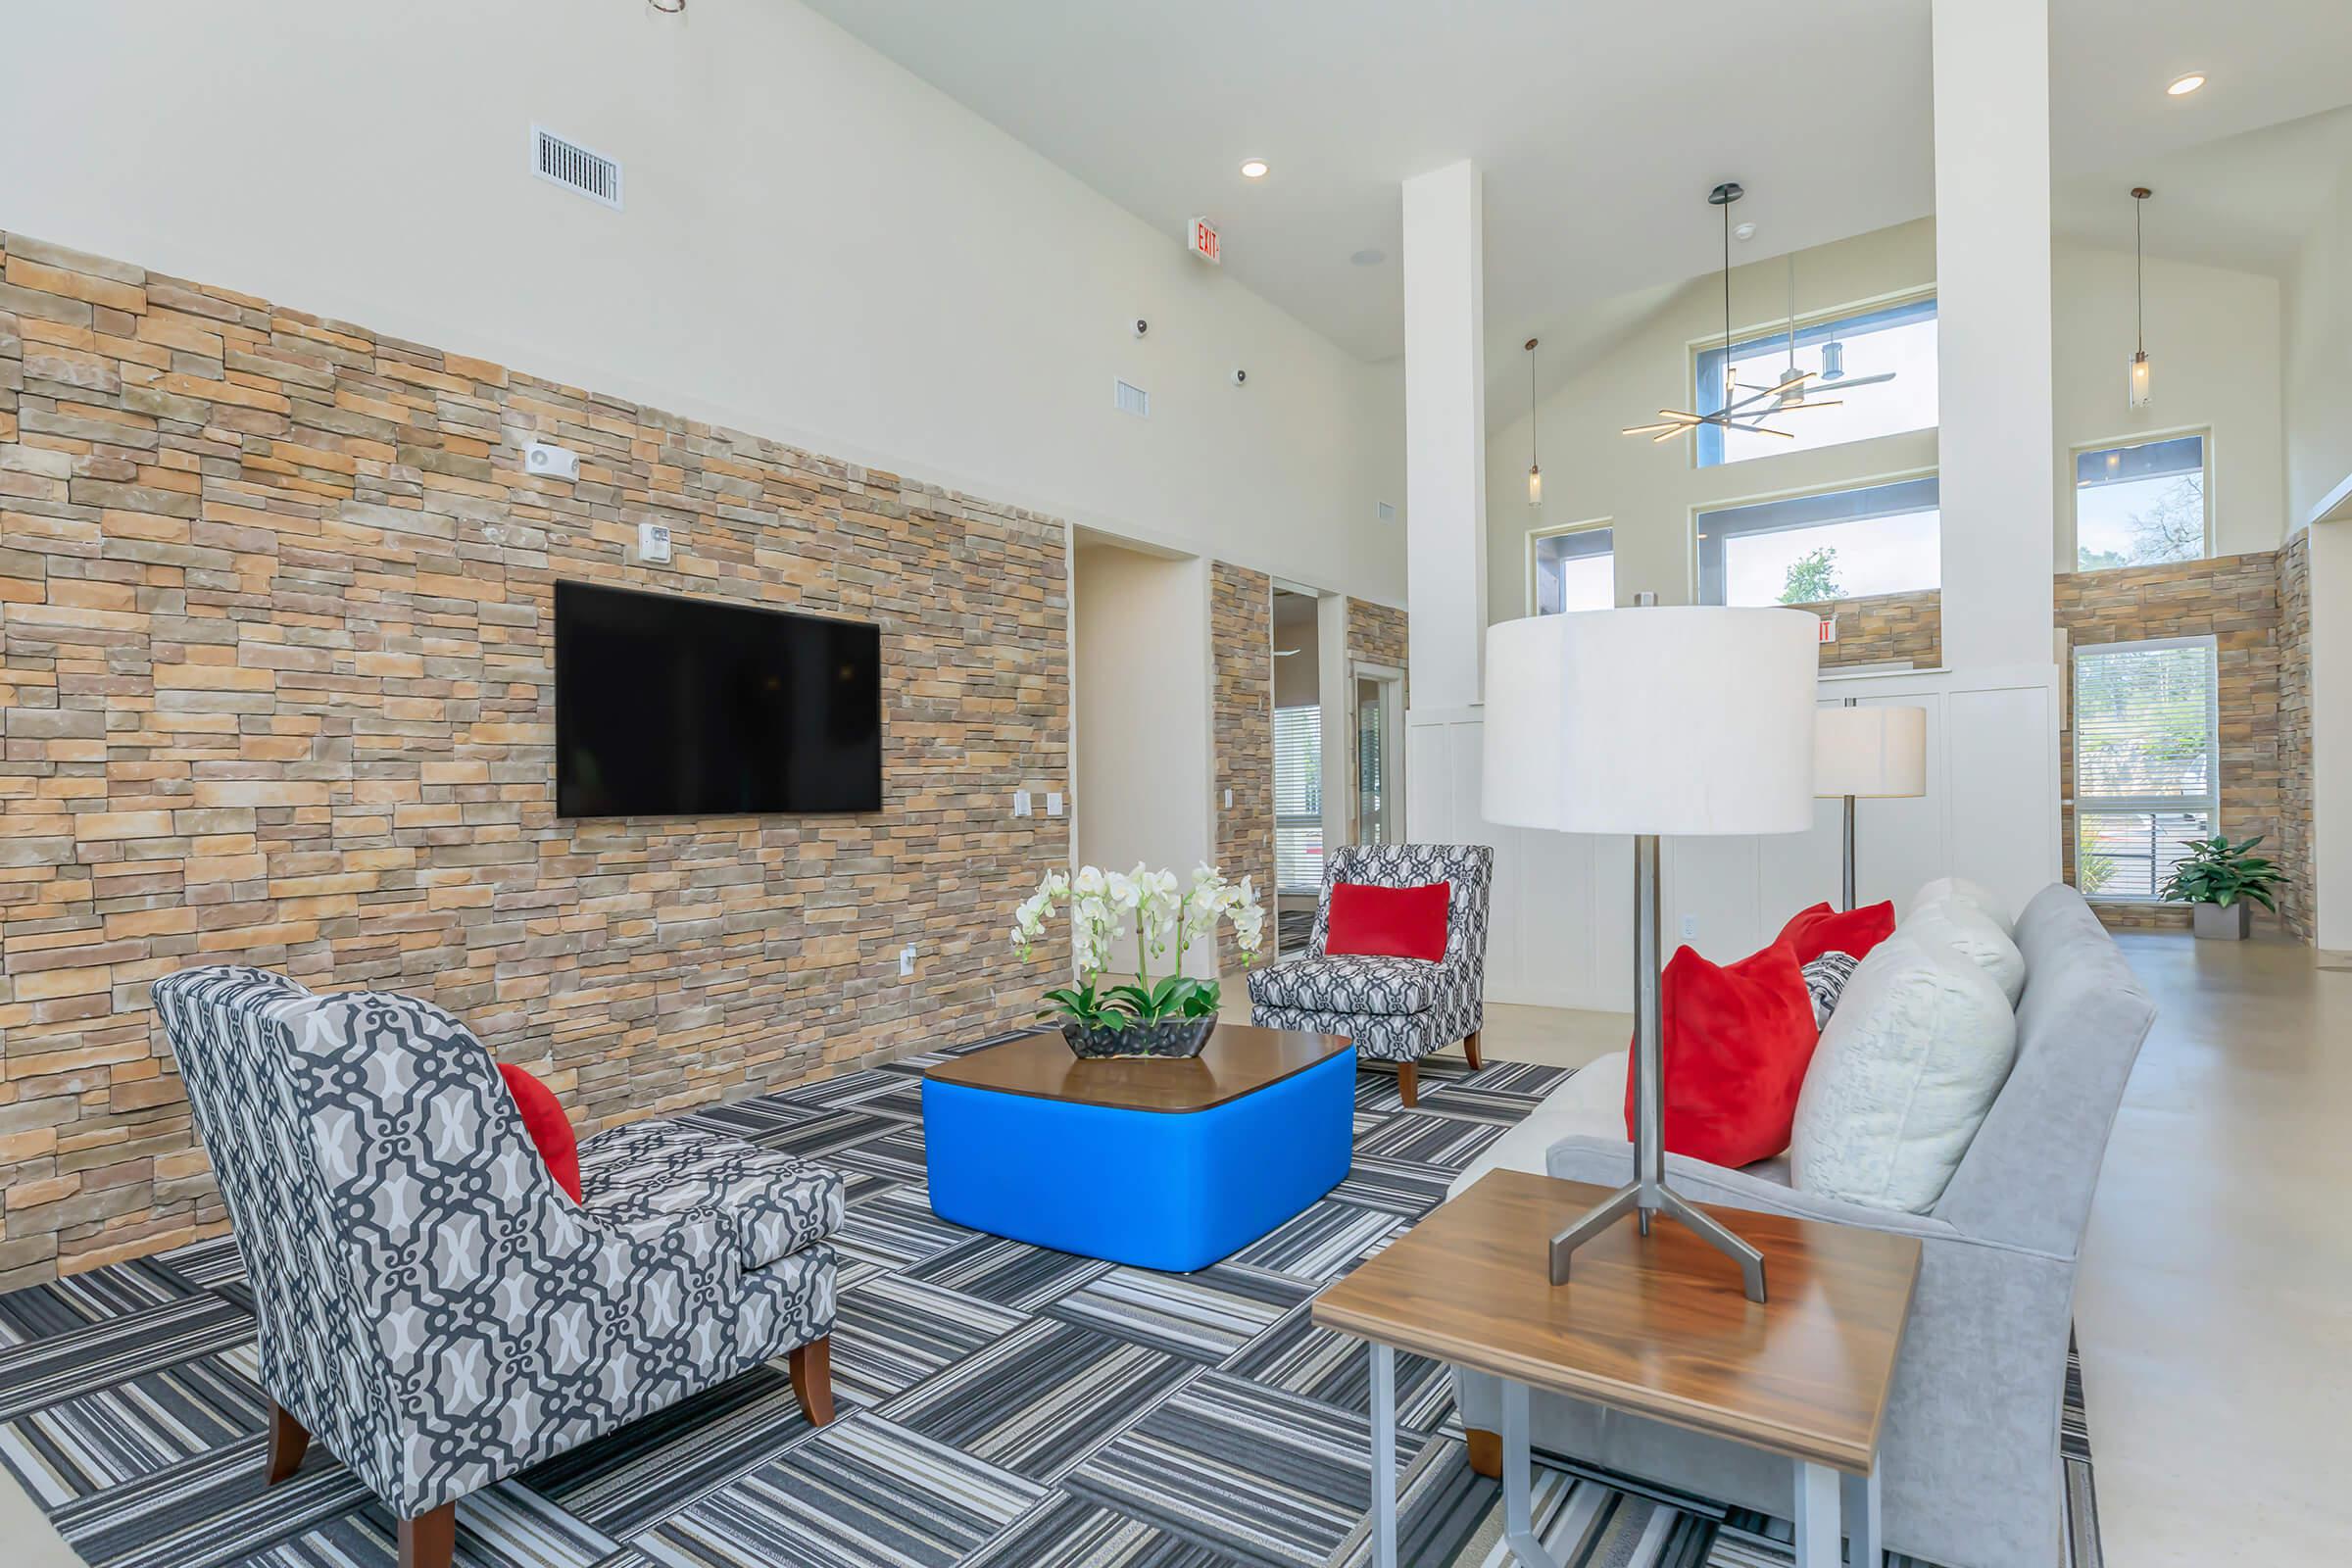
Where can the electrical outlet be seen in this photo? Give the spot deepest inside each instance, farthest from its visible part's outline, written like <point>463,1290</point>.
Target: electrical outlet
<point>1229,800</point>
<point>1689,926</point>
<point>907,962</point>
<point>1052,803</point>
<point>1020,803</point>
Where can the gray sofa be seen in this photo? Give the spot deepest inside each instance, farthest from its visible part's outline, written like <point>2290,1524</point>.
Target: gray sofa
<point>1969,1465</point>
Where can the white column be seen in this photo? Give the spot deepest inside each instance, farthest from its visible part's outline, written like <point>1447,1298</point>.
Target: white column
<point>1992,284</point>
<point>1445,433</point>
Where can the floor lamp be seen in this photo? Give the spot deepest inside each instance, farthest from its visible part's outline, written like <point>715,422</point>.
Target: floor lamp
<point>1696,720</point>
<point>1868,753</point>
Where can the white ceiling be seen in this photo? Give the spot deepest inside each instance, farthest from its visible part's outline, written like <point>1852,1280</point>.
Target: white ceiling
<point>1600,127</point>
<point>2245,201</point>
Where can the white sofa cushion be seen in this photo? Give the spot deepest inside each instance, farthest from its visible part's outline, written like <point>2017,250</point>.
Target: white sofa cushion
<point>1960,888</point>
<point>1973,933</point>
<point>1911,1061</point>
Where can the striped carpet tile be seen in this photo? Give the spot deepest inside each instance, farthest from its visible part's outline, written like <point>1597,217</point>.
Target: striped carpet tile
<point>1002,1406</point>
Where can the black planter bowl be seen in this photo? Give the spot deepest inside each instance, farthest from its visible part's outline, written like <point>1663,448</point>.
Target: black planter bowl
<point>1175,1039</point>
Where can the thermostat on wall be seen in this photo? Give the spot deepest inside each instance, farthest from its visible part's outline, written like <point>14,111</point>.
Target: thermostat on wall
<point>653,542</point>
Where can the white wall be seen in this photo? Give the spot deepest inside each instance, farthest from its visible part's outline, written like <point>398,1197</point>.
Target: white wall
<point>2319,358</point>
<point>1141,667</point>
<point>817,247</point>
<point>2213,334</point>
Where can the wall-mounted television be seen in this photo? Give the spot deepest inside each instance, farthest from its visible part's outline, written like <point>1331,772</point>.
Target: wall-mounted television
<point>675,706</point>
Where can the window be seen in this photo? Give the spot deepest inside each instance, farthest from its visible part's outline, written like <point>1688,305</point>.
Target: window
<point>1573,569</point>
<point>2148,768</point>
<point>1298,799</point>
<point>2141,505</point>
<point>1876,366</point>
<point>1843,544</point>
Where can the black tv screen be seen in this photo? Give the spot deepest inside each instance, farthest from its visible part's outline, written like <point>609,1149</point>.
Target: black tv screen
<point>670,707</point>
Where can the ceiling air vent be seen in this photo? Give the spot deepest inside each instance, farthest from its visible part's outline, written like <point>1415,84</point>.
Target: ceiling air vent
<point>1129,399</point>
<point>575,167</point>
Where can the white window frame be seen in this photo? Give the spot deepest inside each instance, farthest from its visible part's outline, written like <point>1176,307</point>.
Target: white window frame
<point>2154,805</point>
<point>1711,343</point>
<point>1706,509</point>
<point>1536,536</point>
<point>2138,438</point>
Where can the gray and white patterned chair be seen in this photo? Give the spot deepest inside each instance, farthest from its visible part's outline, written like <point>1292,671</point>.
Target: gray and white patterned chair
<point>431,1303</point>
<point>1395,1009</point>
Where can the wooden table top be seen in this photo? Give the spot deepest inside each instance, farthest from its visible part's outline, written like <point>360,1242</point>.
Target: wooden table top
<point>1239,1058</point>
<point>1654,1326</point>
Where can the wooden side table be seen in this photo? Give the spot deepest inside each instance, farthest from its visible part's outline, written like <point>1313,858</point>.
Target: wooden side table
<point>1653,1326</point>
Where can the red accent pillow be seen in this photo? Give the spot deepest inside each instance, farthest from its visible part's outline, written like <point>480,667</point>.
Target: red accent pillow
<point>1388,922</point>
<point>1738,1038</point>
<point>1822,929</point>
<point>544,1119</point>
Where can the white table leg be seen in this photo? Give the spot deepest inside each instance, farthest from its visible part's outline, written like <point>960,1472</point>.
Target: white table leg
<point>1816,1545</point>
<point>1384,1457</point>
<point>1862,1520</point>
<point>1518,1482</point>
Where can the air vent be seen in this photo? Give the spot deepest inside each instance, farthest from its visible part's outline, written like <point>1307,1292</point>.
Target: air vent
<point>575,167</point>
<point>1384,511</point>
<point>1130,400</point>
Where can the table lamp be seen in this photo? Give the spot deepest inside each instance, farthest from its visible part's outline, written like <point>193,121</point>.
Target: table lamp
<point>1876,753</point>
<point>1695,720</point>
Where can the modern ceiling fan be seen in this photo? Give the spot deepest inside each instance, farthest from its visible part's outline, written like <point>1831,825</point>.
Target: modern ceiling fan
<point>1745,407</point>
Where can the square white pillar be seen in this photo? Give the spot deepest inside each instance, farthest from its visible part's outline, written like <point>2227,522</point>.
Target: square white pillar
<point>1445,434</point>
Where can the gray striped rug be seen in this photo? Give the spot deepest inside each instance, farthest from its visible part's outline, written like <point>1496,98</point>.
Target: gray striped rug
<point>1001,1405</point>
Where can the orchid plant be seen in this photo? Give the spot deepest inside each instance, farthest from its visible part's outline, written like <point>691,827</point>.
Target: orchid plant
<point>1163,917</point>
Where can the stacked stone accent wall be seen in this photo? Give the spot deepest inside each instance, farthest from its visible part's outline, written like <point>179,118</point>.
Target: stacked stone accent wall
<point>2298,906</point>
<point>1376,635</point>
<point>1241,634</point>
<point>1885,629</point>
<point>274,689</point>
<point>2235,599</point>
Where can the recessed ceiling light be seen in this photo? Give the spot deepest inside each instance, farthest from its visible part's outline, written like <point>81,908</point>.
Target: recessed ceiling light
<point>1743,232</point>
<point>1255,167</point>
<point>2187,84</point>
<point>1369,258</point>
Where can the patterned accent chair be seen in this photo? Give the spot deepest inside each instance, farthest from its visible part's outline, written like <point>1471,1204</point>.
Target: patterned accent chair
<point>431,1303</point>
<point>1395,1009</point>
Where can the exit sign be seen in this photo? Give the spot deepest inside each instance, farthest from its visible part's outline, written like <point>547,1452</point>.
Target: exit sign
<point>1200,238</point>
<point>1828,628</point>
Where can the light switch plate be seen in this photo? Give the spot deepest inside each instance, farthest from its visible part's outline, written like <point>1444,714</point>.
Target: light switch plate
<point>1229,800</point>
<point>907,961</point>
<point>1689,926</point>
<point>1052,803</point>
<point>653,543</point>
<point>1020,803</point>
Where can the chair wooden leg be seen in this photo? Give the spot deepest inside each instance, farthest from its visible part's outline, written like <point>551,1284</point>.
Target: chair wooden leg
<point>1486,1452</point>
<point>811,1368</point>
<point>289,1441</point>
<point>1470,1049</point>
<point>429,1541</point>
<point>1408,1083</point>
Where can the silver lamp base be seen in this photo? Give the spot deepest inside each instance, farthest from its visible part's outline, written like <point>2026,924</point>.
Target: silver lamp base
<point>1647,1193</point>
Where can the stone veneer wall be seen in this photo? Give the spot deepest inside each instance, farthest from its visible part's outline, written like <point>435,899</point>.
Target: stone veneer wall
<point>2298,905</point>
<point>1241,635</point>
<point>274,689</point>
<point>1885,629</point>
<point>2235,599</point>
<point>1376,635</point>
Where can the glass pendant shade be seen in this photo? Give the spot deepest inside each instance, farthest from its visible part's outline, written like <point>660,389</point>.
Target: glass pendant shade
<point>1535,485</point>
<point>2142,394</point>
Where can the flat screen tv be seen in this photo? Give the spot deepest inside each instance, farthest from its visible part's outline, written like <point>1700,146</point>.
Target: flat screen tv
<point>671,707</point>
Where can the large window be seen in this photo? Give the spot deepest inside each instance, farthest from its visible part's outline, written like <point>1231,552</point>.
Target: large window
<point>1298,799</point>
<point>1573,569</point>
<point>1842,544</point>
<point>2141,505</point>
<point>2147,766</point>
<point>1875,366</point>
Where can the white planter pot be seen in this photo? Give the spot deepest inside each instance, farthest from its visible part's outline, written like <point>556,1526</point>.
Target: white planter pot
<point>2216,923</point>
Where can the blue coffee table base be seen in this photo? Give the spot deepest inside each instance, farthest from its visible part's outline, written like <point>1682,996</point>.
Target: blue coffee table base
<point>1174,1191</point>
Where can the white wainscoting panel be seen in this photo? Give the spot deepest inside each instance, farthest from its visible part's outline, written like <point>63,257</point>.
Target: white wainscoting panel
<point>1562,918</point>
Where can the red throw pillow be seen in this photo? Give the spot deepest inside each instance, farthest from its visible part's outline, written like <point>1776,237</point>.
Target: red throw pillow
<point>544,1119</point>
<point>1738,1038</point>
<point>1822,929</point>
<point>1388,922</point>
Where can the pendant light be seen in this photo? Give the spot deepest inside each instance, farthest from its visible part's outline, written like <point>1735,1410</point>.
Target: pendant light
<point>1535,476</point>
<point>2142,394</point>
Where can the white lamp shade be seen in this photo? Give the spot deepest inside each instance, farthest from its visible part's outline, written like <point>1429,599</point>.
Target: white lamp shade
<point>1694,719</point>
<point>1870,750</point>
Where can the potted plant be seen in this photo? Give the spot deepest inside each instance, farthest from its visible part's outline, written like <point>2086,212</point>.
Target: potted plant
<point>1172,1016</point>
<point>2222,882</point>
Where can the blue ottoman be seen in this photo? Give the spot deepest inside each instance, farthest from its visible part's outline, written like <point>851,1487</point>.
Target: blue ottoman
<point>1167,1165</point>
